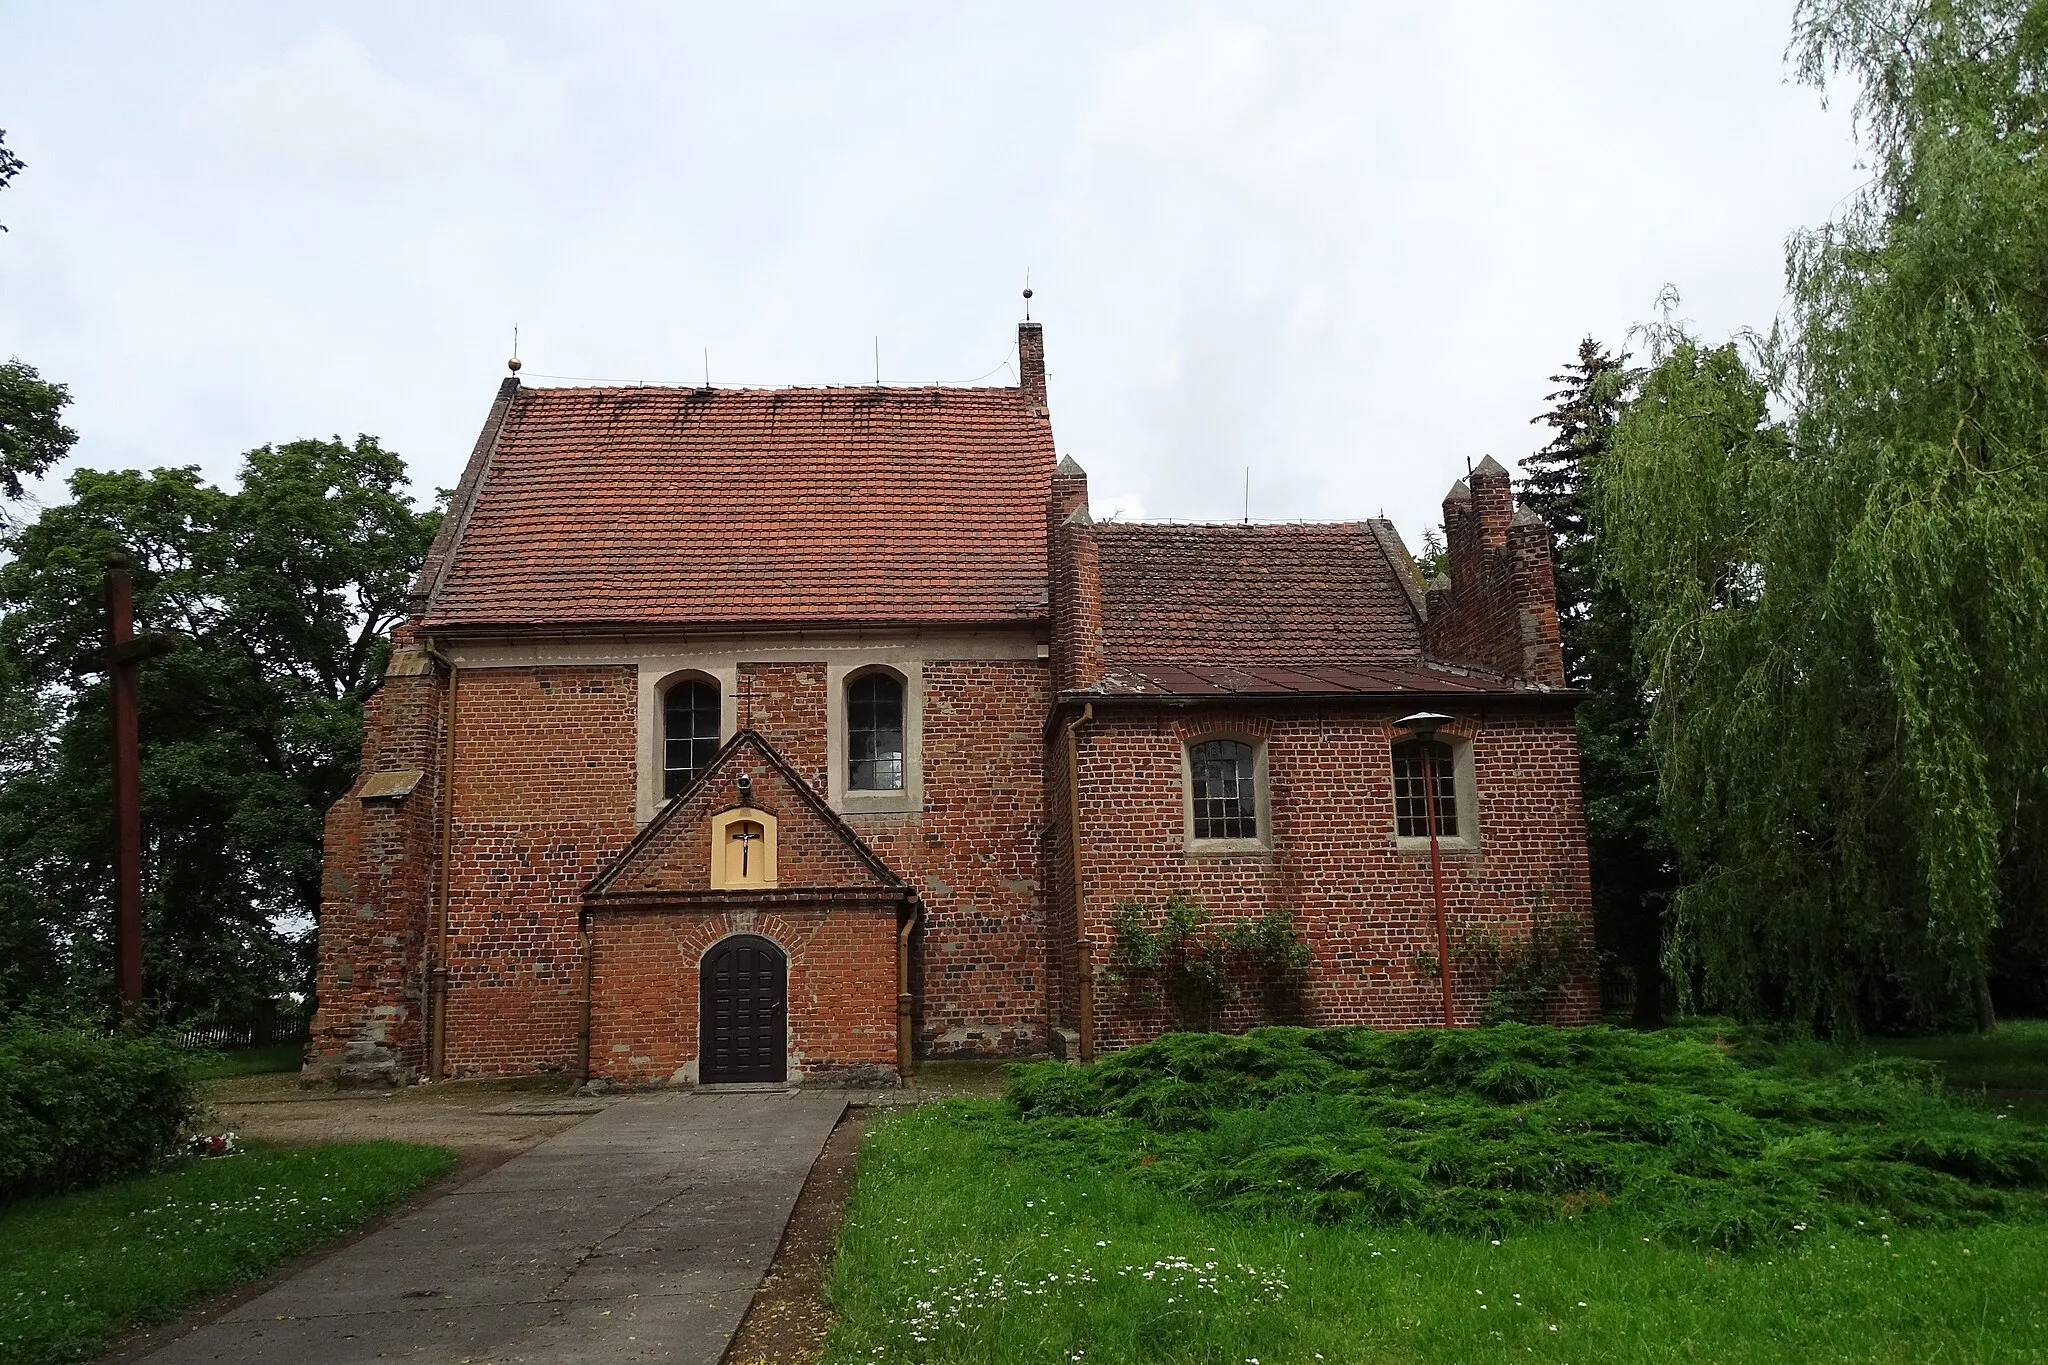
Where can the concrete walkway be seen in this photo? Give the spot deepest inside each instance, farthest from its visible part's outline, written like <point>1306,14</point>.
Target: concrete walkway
<point>639,1234</point>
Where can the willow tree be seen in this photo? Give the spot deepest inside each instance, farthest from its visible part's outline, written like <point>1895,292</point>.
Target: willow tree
<point>1844,613</point>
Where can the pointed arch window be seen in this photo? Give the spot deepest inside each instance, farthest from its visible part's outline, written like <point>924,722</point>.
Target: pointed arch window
<point>689,714</point>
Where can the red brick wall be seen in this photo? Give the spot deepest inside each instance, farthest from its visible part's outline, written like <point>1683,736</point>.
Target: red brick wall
<point>842,988</point>
<point>544,784</point>
<point>786,703</point>
<point>381,859</point>
<point>544,798</point>
<point>1073,581</point>
<point>973,854</point>
<point>1363,905</point>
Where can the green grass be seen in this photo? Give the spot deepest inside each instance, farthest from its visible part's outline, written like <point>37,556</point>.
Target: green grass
<point>967,1241</point>
<point>1706,1193</point>
<point>247,1061</point>
<point>77,1270</point>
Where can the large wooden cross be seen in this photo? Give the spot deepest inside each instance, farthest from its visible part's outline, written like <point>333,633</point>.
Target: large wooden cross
<point>124,654</point>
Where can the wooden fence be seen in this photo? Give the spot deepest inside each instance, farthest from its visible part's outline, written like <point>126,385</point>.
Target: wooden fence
<point>284,1021</point>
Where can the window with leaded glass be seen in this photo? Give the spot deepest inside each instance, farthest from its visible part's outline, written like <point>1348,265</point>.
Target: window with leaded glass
<point>1411,813</point>
<point>1223,789</point>
<point>689,734</point>
<point>874,734</point>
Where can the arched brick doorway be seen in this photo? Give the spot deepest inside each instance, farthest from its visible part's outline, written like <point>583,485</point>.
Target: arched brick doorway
<point>743,1012</point>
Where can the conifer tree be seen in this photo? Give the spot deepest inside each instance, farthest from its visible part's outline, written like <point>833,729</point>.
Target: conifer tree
<point>1584,408</point>
<point>1633,873</point>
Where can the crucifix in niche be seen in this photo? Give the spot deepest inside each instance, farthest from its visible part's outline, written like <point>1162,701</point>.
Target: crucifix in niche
<point>745,834</point>
<point>742,850</point>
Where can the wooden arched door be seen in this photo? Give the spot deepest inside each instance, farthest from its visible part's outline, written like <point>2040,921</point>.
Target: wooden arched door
<point>743,1012</point>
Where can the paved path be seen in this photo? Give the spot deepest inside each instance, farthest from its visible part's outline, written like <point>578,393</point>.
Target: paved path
<point>639,1234</point>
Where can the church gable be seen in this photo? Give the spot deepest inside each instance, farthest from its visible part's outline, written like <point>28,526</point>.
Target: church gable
<point>750,823</point>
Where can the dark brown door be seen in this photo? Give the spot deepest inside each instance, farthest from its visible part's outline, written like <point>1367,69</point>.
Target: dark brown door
<point>743,1000</point>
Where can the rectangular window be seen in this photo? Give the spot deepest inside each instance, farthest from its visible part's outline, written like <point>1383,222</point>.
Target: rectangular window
<point>1411,811</point>
<point>1225,801</point>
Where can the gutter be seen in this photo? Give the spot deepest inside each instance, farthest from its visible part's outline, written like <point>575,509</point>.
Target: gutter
<point>1194,701</point>
<point>799,629</point>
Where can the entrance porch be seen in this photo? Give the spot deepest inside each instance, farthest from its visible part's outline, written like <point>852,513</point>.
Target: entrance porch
<point>746,936</point>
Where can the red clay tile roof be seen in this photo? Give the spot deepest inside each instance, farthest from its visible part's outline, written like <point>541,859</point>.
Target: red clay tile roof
<point>660,506</point>
<point>1227,594</point>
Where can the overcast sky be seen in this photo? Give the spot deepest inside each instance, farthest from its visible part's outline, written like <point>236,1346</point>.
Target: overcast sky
<point>1341,245</point>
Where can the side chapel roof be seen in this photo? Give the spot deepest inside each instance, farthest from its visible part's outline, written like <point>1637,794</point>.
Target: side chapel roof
<point>1221,609</point>
<point>1225,594</point>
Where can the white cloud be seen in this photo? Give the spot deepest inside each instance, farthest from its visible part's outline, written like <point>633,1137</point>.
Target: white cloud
<point>1344,245</point>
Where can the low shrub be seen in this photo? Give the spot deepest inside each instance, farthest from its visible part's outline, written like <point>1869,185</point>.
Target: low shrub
<point>1196,965</point>
<point>1699,1131</point>
<point>78,1107</point>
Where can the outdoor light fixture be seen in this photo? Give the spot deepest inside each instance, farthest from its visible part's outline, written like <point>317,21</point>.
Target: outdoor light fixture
<point>746,785</point>
<point>1423,726</point>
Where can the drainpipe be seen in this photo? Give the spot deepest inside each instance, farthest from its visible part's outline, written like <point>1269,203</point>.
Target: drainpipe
<point>437,971</point>
<point>1084,949</point>
<point>588,950</point>
<point>905,1035</point>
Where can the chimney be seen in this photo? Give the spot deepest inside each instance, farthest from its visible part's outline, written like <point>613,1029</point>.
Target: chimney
<point>1498,611</point>
<point>1031,368</point>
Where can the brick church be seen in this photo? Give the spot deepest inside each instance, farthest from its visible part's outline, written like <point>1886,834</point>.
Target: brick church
<point>744,735</point>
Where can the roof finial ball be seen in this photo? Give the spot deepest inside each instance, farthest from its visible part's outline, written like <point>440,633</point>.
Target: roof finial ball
<point>513,363</point>
<point>1027,295</point>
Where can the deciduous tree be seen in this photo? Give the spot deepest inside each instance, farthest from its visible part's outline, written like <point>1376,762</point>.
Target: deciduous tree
<point>1843,613</point>
<point>283,590</point>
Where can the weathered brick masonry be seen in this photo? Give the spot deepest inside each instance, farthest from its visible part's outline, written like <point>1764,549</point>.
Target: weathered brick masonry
<point>381,859</point>
<point>773,546</point>
<point>842,991</point>
<point>972,852</point>
<point>1497,609</point>
<point>544,773</point>
<point>973,856</point>
<point>786,704</point>
<point>1362,903</point>
<point>1308,643</point>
